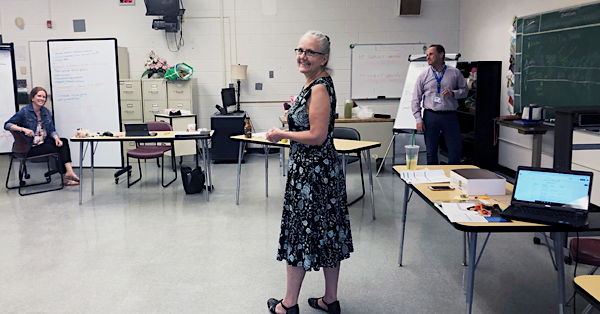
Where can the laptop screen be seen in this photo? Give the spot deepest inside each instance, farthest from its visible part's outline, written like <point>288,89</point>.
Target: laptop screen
<point>553,189</point>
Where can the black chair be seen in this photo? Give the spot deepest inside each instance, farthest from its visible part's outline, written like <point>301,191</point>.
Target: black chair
<point>351,134</point>
<point>152,151</point>
<point>20,150</point>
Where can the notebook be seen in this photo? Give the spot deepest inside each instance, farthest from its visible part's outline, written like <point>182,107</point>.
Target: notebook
<point>136,129</point>
<point>550,197</point>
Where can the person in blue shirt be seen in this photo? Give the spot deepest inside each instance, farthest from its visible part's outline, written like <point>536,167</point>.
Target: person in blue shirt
<point>438,89</point>
<point>35,122</point>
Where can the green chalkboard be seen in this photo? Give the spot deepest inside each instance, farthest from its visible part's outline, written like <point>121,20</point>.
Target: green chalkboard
<point>560,58</point>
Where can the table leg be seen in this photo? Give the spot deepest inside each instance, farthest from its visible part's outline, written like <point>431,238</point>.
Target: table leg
<point>205,171</point>
<point>405,205</point>
<point>471,279</point>
<point>92,165</point>
<point>237,195</point>
<point>80,170</point>
<point>205,143</point>
<point>536,154</point>
<point>283,157</point>
<point>344,164</point>
<point>266,150</point>
<point>560,257</point>
<point>465,249</point>
<point>371,182</point>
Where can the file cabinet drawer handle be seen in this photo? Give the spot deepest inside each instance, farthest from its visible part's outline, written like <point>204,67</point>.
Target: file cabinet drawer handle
<point>179,91</point>
<point>128,92</point>
<point>129,111</point>
<point>153,91</point>
<point>129,105</point>
<point>128,85</point>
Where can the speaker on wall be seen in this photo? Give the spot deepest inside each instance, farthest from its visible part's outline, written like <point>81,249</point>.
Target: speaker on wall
<point>410,7</point>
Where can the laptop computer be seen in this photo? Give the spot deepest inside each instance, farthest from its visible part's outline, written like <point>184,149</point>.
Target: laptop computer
<point>136,129</point>
<point>550,197</point>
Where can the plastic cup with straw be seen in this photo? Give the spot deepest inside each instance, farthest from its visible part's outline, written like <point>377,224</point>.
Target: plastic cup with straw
<point>411,156</point>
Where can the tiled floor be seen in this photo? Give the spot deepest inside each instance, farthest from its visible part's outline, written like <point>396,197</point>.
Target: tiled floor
<point>149,249</point>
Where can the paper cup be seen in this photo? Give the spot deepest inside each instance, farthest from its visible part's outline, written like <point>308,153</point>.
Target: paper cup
<point>191,127</point>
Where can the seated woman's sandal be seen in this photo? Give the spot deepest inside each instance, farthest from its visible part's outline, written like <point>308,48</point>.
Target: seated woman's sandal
<point>272,304</point>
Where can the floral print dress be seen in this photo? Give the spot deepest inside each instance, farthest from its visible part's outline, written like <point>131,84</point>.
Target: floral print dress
<point>315,225</point>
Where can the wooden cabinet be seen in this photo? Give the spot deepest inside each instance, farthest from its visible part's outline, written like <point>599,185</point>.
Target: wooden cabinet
<point>477,112</point>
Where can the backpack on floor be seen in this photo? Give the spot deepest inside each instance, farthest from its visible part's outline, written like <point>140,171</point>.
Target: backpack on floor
<point>193,180</point>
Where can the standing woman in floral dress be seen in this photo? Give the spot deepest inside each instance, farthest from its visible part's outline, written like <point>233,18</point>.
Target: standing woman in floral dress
<point>315,225</point>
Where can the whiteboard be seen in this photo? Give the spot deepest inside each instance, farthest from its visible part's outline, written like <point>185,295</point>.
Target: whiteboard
<point>404,117</point>
<point>85,90</point>
<point>39,70</point>
<point>380,70</point>
<point>8,92</point>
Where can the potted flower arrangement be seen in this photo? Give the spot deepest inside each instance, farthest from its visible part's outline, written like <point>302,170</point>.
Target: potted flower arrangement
<point>155,66</point>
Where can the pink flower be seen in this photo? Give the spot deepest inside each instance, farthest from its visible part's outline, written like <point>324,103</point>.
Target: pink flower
<point>165,67</point>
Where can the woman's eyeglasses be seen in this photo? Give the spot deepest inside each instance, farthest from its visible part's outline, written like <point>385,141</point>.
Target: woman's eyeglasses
<point>308,52</point>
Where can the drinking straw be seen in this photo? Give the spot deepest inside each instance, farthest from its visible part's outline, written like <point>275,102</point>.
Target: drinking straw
<point>412,144</point>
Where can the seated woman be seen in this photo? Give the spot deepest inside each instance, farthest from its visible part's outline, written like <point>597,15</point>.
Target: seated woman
<point>35,122</point>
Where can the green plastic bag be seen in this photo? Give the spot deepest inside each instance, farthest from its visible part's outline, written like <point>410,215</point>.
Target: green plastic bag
<point>180,72</point>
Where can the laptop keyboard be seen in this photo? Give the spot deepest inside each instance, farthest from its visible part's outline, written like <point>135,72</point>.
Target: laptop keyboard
<point>547,212</point>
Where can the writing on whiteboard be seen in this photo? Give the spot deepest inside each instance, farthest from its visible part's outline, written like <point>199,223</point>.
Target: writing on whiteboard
<point>380,70</point>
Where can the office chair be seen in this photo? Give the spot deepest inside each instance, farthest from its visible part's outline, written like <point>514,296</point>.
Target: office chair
<point>20,149</point>
<point>152,151</point>
<point>587,252</point>
<point>351,134</point>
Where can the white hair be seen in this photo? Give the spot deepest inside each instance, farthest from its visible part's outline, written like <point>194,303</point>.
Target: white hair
<point>324,42</point>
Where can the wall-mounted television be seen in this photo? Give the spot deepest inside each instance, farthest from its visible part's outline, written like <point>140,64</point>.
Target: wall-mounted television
<point>162,7</point>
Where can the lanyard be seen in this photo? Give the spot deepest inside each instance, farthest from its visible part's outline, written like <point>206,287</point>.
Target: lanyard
<point>439,79</point>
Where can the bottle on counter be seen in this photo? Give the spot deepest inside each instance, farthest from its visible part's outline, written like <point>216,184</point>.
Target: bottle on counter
<point>248,128</point>
<point>348,109</point>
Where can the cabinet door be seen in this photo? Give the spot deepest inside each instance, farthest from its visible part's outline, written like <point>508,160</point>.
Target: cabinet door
<point>154,89</point>
<point>152,107</point>
<point>131,110</point>
<point>180,104</point>
<point>130,89</point>
<point>181,90</point>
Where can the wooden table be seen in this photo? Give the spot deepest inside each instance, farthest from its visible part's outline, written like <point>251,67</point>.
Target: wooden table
<point>588,287</point>
<point>161,136</point>
<point>471,230</point>
<point>343,147</point>
<point>372,129</point>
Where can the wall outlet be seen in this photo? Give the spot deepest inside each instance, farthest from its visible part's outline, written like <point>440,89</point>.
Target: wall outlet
<point>270,74</point>
<point>258,86</point>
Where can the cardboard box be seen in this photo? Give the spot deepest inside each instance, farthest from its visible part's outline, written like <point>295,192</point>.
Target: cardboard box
<point>478,182</point>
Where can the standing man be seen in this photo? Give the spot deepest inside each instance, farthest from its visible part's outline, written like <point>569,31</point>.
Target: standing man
<point>439,88</point>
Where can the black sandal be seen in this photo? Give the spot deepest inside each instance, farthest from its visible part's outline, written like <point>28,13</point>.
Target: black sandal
<point>333,308</point>
<point>272,304</point>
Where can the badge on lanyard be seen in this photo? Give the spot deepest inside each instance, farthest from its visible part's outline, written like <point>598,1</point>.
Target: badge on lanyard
<point>438,98</point>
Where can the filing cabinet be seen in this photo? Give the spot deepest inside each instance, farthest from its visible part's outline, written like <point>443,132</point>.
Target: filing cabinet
<point>142,99</point>
<point>131,107</point>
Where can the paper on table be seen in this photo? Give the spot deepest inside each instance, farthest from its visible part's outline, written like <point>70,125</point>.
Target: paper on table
<point>263,134</point>
<point>424,176</point>
<point>458,212</point>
